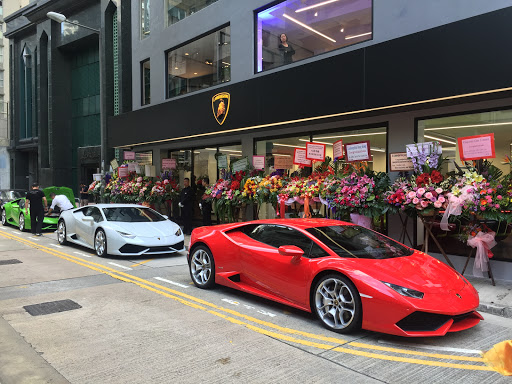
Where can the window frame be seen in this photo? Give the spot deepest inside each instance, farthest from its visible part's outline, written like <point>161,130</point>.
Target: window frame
<point>274,3</point>
<point>143,83</point>
<point>166,57</point>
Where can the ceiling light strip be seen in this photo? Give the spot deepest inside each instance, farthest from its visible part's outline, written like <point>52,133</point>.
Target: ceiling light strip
<point>469,126</point>
<point>315,5</point>
<point>321,117</point>
<point>308,27</point>
<point>356,36</point>
<point>439,139</point>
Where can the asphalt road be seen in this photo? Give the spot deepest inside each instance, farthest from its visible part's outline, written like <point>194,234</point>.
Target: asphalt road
<point>142,321</point>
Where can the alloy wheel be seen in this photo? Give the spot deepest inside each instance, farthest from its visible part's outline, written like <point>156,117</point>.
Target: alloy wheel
<point>201,268</point>
<point>100,243</point>
<point>336,304</point>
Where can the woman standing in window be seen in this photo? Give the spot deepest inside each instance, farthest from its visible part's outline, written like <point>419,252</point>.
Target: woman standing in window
<point>286,49</point>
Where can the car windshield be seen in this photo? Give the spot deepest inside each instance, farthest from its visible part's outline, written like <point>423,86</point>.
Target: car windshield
<point>12,195</point>
<point>132,214</point>
<point>359,242</point>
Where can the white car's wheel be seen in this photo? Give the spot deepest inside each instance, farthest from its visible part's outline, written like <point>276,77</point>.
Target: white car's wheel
<point>61,232</point>
<point>100,243</point>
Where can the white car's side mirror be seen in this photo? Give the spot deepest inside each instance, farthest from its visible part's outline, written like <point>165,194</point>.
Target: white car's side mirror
<point>87,219</point>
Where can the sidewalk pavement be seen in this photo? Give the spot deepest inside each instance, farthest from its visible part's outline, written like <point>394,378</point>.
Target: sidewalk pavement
<point>496,300</point>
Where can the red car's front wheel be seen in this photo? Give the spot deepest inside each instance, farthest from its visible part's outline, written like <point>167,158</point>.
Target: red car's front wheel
<point>337,304</point>
<point>202,267</point>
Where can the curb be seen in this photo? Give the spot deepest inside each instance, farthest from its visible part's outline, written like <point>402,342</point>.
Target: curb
<point>494,309</point>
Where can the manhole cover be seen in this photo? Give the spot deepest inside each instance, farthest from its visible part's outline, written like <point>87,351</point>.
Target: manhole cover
<point>10,261</point>
<point>51,307</point>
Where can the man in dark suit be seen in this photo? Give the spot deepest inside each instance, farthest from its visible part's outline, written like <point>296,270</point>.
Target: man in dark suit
<point>187,206</point>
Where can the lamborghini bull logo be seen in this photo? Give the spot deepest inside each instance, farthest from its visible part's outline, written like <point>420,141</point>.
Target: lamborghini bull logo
<point>220,106</point>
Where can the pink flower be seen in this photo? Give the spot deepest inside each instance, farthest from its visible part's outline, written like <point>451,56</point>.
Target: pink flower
<point>499,197</point>
<point>428,195</point>
<point>415,200</point>
<point>411,195</point>
<point>441,199</point>
<point>438,204</point>
<point>482,208</point>
<point>497,206</point>
<point>439,190</point>
<point>420,191</point>
<point>424,203</point>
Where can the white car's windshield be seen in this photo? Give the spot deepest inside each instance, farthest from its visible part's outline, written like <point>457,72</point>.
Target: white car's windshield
<point>132,214</point>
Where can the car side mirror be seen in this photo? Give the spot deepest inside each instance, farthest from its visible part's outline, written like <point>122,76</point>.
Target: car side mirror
<point>292,251</point>
<point>87,219</point>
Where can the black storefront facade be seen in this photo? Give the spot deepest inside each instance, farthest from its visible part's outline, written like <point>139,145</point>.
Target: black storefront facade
<point>455,70</point>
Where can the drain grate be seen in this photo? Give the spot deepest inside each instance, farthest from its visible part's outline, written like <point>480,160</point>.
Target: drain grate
<point>10,261</point>
<point>51,307</point>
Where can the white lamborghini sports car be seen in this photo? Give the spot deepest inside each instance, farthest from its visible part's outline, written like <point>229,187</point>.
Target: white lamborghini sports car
<point>120,229</point>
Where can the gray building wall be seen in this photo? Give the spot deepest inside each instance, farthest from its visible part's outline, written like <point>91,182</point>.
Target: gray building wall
<point>392,19</point>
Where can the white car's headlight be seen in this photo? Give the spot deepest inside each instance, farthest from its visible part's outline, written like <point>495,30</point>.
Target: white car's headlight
<point>125,234</point>
<point>408,292</point>
<point>178,232</point>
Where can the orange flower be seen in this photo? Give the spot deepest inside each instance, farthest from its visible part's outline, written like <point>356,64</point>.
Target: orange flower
<point>483,202</point>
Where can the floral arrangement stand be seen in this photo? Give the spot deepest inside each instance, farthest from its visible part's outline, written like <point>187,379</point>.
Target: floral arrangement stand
<point>404,233</point>
<point>489,272</point>
<point>427,223</point>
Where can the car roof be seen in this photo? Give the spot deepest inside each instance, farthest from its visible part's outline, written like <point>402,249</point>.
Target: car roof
<point>301,223</point>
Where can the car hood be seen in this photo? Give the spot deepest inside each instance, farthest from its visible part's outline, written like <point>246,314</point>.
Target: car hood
<point>68,192</point>
<point>418,271</point>
<point>147,229</point>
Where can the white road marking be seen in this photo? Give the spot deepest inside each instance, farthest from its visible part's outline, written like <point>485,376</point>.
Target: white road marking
<point>171,282</point>
<point>4,229</point>
<point>82,254</point>
<point>121,266</point>
<point>56,245</point>
<point>433,347</point>
<point>33,238</point>
<point>263,312</point>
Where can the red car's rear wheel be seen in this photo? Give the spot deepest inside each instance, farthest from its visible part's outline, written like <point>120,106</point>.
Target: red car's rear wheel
<point>337,303</point>
<point>202,267</point>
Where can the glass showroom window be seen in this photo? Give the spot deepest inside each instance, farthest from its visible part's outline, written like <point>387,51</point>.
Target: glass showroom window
<point>293,30</point>
<point>376,136</point>
<point>145,68</point>
<point>177,9</point>
<point>144,18</point>
<point>447,130</point>
<point>199,64</point>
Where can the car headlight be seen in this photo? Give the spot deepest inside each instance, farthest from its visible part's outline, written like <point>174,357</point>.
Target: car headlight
<point>128,235</point>
<point>178,232</point>
<point>408,292</point>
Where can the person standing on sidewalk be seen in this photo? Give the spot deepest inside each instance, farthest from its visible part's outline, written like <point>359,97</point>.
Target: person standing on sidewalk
<point>186,205</point>
<point>34,201</point>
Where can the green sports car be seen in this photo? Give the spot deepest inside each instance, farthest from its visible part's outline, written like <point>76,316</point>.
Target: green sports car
<point>13,212</point>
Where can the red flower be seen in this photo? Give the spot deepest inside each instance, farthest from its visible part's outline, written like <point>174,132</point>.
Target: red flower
<point>422,179</point>
<point>436,176</point>
<point>235,184</point>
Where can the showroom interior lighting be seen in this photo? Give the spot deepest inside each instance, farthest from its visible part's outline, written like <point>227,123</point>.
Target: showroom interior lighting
<point>308,27</point>
<point>439,139</point>
<point>315,5</point>
<point>469,126</point>
<point>356,36</point>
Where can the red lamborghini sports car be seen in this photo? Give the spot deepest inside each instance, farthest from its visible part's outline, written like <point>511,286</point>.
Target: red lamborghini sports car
<point>349,276</point>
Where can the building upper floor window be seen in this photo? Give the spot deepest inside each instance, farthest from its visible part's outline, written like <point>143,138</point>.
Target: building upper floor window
<point>200,63</point>
<point>293,30</point>
<point>145,68</point>
<point>178,9</point>
<point>144,18</point>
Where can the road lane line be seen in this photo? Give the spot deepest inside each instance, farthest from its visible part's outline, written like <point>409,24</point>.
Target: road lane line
<point>171,282</point>
<point>82,254</point>
<point>120,266</point>
<point>433,347</point>
<point>56,245</point>
<point>33,238</point>
<point>145,284</point>
<point>416,353</point>
<point>142,262</point>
